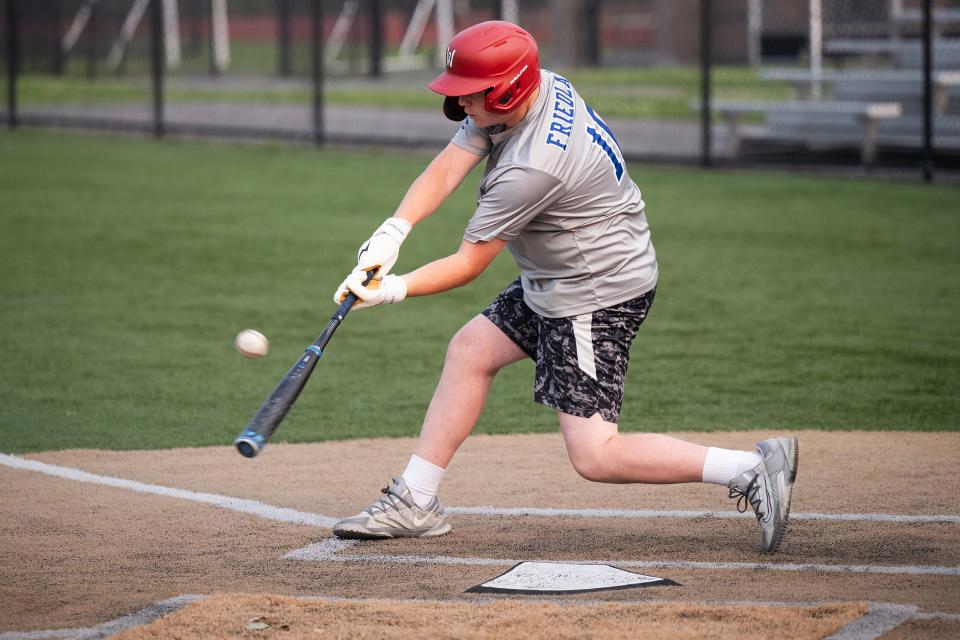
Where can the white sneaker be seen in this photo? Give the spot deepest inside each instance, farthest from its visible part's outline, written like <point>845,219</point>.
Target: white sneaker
<point>395,515</point>
<point>768,488</point>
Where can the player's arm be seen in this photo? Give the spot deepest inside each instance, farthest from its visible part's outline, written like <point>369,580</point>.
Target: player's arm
<point>453,271</point>
<point>516,196</point>
<point>441,177</point>
<point>440,275</point>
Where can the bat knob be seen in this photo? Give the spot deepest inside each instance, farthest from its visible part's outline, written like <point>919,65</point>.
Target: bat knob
<point>248,446</point>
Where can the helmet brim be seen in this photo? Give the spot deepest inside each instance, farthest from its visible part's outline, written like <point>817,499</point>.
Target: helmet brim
<point>450,85</point>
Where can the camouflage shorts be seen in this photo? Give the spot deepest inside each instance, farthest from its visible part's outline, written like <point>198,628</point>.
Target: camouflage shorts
<point>581,361</point>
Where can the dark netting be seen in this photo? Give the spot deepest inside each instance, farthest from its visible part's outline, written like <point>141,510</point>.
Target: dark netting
<point>635,63</point>
<point>245,69</point>
<point>4,65</point>
<point>85,63</point>
<point>820,82</point>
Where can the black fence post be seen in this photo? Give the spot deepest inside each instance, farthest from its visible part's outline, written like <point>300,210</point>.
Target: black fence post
<point>157,62</point>
<point>706,133</point>
<point>316,37</point>
<point>58,61</point>
<point>93,40</point>
<point>590,55</point>
<point>376,39</point>
<point>211,37</point>
<point>927,91</point>
<point>13,62</point>
<point>195,45</point>
<point>283,18</point>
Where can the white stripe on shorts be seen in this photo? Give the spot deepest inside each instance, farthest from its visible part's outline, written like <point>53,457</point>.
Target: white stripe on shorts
<point>583,334</point>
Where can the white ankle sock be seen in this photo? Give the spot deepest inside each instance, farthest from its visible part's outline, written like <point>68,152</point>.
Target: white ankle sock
<point>422,478</point>
<point>723,465</point>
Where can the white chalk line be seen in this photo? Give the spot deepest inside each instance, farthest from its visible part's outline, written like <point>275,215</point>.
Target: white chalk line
<point>880,618</point>
<point>323,550</point>
<point>300,517</point>
<point>112,627</point>
<point>329,551</point>
<point>657,513</point>
<point>281,514</point>
<point>251,507</point>
<point>936,615</point>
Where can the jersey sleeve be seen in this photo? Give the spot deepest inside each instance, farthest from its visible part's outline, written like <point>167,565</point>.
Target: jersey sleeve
<point>472,138</point>
<point>513,198</point>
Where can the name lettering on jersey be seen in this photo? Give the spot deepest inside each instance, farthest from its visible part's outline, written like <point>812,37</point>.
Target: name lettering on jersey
<point>450,55</point>
<point>561,122</point>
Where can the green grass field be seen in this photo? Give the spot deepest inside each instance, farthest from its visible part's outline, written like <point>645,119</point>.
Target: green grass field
<point>129,265</point>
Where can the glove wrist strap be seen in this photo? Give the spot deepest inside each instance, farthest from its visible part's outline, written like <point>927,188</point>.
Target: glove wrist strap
<point>396,228</point>
<point>394,289</point>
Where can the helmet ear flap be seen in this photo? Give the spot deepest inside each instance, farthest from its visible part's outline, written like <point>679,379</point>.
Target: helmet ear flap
<point>494,103</point>
<point>452,109</point>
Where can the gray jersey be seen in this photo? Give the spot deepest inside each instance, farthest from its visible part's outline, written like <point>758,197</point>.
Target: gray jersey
<point>556,189</point>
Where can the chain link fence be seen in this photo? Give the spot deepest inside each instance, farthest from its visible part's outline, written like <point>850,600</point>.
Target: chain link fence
<point>831,83</point>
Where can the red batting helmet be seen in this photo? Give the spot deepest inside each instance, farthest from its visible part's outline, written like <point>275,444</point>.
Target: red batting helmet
<point>497,57</point>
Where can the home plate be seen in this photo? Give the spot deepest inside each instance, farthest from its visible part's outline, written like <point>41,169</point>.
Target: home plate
<point>552,578</point>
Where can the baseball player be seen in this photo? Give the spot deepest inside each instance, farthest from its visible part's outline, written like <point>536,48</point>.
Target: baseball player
<point>556,193</point>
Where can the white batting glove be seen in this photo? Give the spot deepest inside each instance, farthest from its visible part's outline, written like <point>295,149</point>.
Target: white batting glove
<point>383,248</point>
<point>388,290</point>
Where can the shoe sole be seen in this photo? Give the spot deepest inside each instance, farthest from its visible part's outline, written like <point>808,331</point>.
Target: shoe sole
<point>796,460</point>
<point>786,515</point>
<point>363,534</point>
<point>346,534</point>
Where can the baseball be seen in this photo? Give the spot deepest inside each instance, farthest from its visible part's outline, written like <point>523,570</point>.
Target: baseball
<point>252,344</point>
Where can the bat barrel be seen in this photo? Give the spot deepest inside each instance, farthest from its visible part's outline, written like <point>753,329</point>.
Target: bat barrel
<point>254,437</point>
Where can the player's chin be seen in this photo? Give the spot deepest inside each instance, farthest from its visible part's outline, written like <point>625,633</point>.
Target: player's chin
<point>482,120</point>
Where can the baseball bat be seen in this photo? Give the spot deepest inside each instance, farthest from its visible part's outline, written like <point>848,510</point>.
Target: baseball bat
<point>274,409</point>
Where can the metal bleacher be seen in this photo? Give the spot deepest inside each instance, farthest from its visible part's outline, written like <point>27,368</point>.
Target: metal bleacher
<point>870,98</point>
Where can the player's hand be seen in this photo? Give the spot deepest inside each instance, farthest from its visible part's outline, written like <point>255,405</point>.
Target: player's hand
<point>388,290</point>
<point>383,248</point>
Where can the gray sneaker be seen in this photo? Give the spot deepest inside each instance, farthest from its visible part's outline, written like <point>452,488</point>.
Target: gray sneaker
<point>768,488</point>
<point>395,515</point>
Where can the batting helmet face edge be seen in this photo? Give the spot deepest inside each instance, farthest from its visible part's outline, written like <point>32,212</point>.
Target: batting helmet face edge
<point>497,57</point>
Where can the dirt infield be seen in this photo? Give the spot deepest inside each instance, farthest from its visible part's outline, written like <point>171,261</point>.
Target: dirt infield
<point>876,519</point>
<point>228,616</point>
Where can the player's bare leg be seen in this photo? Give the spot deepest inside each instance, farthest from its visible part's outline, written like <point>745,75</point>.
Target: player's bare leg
<point>762,480</point>
<point>602,454</point>
<point>475,355</point>
<point>409,506</point>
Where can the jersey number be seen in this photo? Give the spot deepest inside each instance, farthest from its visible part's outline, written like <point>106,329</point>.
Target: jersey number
<point>602,136</point>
